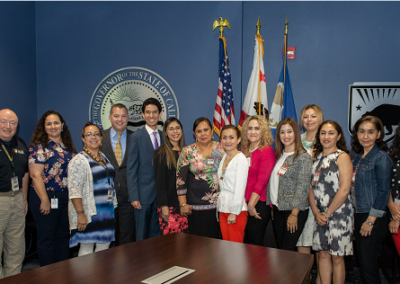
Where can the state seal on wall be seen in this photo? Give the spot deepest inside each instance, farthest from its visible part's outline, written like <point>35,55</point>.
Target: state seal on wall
<point>131,86</point>
<point>378,99</point>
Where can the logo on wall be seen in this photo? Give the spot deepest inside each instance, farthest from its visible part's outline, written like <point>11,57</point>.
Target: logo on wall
<point>131,86</point>
<point>378,99</point>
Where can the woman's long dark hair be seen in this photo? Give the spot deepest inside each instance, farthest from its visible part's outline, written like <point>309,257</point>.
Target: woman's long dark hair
<point>40,135</point>
<point>341,143</point>
<point>166,147</point>
<point>394,151</point>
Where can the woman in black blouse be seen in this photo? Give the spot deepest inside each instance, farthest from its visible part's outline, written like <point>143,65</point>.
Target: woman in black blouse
<point>394,200</point>
<point>164,162</point>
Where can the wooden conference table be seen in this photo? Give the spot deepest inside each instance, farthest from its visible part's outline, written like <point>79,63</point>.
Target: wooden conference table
<point>214,261</point>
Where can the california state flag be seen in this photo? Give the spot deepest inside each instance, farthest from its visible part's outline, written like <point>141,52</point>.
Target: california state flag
<point>257,88</point>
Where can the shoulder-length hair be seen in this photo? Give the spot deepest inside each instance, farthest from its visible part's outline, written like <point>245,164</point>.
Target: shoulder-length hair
<point>318,112</point>
<point>266,135</point>
<point>298,146</point>
<point>355,144</point>
<point>341,143</point>
<point>166,147</point>
<point>40,136</point>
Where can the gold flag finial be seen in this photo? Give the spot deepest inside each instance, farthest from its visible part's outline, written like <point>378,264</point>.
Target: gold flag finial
<point>221,24</point>
<point>258,26</point>
<point>286,26</point>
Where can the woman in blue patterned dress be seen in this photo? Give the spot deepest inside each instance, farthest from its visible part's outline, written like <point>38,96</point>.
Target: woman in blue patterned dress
<point>330,202</point>
<point>91,195</point>
<point>50,151</point>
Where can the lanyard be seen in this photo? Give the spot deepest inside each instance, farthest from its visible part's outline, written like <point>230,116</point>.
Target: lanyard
<point>11,158</point>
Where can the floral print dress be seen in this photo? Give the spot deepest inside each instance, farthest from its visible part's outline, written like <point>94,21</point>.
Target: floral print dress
<point>197,176</point>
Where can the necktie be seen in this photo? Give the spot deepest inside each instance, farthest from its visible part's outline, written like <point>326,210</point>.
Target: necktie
<point>155,140</point>
<point>118,150</point>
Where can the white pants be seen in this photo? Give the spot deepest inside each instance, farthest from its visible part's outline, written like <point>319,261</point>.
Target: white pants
<point>88,248</point>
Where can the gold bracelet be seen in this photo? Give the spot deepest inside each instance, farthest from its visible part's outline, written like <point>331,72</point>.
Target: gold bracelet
<point>293,215</point>
<point>80,212</point>
<point>184,204</point>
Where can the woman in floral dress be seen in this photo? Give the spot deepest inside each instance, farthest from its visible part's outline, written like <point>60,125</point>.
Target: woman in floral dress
<point>330,202</point>
<point>50,151</point>
<point>197,181</point>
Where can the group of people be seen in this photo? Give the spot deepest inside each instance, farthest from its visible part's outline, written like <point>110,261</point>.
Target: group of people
<point>126,186</point>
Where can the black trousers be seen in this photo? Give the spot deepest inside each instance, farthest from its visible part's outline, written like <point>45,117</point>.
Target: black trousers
<point>125,223</point>
<point>204,223</point>
<point>52,229</point>
<point>255,228</point>
<point>285,239</point>
<point>369,249</point>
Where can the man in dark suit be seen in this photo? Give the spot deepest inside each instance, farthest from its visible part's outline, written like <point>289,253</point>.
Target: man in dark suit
<point>115,140</point>
<point>140,172</point>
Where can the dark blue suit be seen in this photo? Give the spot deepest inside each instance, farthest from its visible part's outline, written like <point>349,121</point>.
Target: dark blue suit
<point>141,183</point>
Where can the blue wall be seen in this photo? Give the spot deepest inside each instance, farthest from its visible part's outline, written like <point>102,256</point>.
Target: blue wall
<point>18,63</point>
<point>79,43</point>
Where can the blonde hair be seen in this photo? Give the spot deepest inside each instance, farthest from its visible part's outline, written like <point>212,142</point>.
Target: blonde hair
<point>318,112</point>
<point>266,135</point>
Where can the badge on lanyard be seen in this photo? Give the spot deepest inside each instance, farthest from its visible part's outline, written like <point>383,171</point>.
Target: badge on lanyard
<point>54,203</point>
<point>353,177</point>
<point>210,161</point>
<point>316,176</point>
<point>110,195</point>
<point>249,161</point>
<point>282,170</point>
<point>14,184</point>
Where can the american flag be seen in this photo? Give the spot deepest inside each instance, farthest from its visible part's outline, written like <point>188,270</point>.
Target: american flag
<point>224,112</point>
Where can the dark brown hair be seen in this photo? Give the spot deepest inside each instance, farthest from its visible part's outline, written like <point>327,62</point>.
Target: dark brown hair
<point>167,146</point>
<point>40,135</point>
<point>355,144</point>
<point>297,138</point>
<point>234,128</point>
<point>341,143</point>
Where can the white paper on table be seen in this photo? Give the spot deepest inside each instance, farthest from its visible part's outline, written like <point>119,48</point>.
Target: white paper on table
<point>169,276</point>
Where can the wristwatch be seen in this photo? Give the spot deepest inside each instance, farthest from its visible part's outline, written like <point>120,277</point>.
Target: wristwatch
<point>370,223</point>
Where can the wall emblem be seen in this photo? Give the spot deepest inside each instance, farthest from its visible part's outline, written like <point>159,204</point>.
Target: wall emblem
<point>131,86</point>
<point>379,99</point>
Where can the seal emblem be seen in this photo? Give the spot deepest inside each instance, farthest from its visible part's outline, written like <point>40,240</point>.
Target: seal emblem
<point>378,99</point>
<point>131,86</point>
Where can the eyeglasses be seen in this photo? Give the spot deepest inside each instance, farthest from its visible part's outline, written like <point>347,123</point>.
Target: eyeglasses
<point>177,128</point>
<point>96,134</point>
<point>11,123</point>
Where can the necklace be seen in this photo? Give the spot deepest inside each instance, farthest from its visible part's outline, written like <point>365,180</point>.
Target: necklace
<point>99,159</point>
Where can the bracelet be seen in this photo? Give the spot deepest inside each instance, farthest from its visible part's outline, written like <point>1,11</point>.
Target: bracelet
<point>80,212</point>
<point>182,205</point>
<point>294,215</point>
<point>370,223</point>
<point>323,214</point>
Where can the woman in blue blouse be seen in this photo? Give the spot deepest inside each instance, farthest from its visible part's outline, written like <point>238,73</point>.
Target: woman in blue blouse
<point>371,189</point>
<point>50,151</point>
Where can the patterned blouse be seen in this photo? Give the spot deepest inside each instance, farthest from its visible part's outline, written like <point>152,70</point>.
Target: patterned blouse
<point>55,159</point>
<point>197,176</point>
<point>395,188</point>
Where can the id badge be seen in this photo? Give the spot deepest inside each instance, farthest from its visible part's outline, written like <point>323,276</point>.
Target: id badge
<point>249,161</point>
<point>282,170</point>
<point>316,177</point>
<point>54,203</point>
<point>210,162</point>
<point>110,195</point>
<point>353,177</point>
<point>14,183</point>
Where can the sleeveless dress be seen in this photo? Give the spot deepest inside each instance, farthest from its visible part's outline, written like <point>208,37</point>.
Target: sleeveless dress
<point>336,236</point>
<point>102,227</point>
<point>306,237</point>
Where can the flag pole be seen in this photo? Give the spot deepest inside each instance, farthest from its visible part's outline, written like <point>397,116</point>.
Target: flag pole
<point>285,50</point>
<point>260,55</point>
